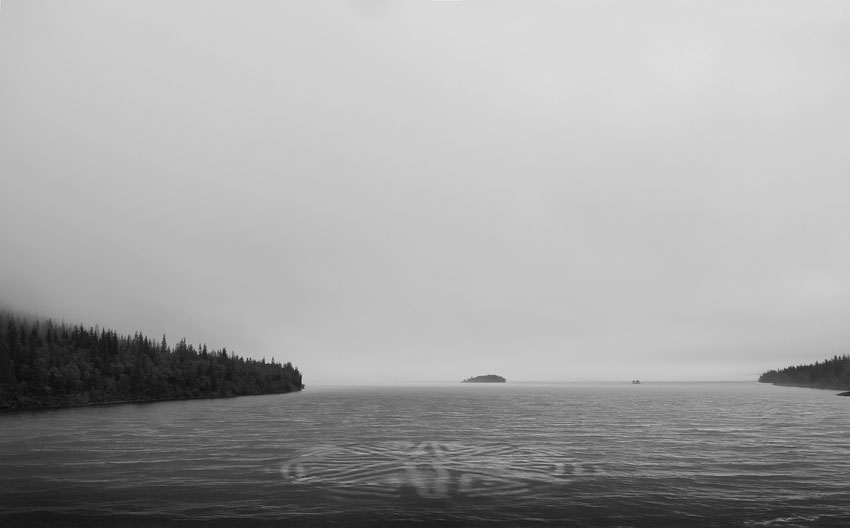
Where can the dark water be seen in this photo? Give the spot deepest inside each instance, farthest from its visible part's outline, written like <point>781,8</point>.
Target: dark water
<point>704,454</point>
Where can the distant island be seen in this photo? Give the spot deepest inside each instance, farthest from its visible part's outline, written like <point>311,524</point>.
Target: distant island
<point>49,364</point>
<point>832,374</point>
<point>488,378</point>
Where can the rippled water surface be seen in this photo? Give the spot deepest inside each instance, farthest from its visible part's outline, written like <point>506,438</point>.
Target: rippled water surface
<point>666,454</point>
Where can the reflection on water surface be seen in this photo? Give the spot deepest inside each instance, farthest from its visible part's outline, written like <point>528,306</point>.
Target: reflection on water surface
<point>518,454</point>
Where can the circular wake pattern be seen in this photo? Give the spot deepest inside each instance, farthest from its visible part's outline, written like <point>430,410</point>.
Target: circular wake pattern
<point>434,470</point>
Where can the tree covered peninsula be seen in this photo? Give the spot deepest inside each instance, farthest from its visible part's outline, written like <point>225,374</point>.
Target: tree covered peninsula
<point>831,374</point>
<point>43,363</point>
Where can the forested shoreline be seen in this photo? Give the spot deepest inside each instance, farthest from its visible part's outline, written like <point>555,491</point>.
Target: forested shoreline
<point>831,374</point>
<point>48,364</point>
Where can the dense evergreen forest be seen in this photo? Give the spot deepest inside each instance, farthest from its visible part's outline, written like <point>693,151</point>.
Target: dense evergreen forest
<point>43,363</point>
<point>830,374</point>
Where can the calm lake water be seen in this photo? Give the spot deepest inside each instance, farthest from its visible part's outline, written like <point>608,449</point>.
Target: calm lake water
<point>655,454</point>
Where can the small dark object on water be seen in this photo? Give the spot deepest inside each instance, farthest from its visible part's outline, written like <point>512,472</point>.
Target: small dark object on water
<point>635,382</point>
<point>844,393</point>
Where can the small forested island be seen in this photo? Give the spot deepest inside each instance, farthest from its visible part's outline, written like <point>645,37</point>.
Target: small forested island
<point>488,378</point>
<point>832,374</point>
<point>48,364</point>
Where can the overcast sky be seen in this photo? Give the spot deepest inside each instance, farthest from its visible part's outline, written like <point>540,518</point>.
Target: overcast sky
<point>388,191</point>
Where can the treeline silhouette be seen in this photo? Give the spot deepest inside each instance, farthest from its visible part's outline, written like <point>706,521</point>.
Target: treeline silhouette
<point>829,374</point>
<point>43,363</point>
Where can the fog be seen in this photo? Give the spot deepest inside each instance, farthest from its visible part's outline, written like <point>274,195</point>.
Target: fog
<point>386,192</point>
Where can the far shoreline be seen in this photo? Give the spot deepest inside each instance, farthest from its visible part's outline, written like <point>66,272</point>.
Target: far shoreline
<point>804,386</point>
<point>55,407</point>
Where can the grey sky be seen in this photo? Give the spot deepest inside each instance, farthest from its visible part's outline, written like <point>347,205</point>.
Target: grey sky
<point>402,191</point>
